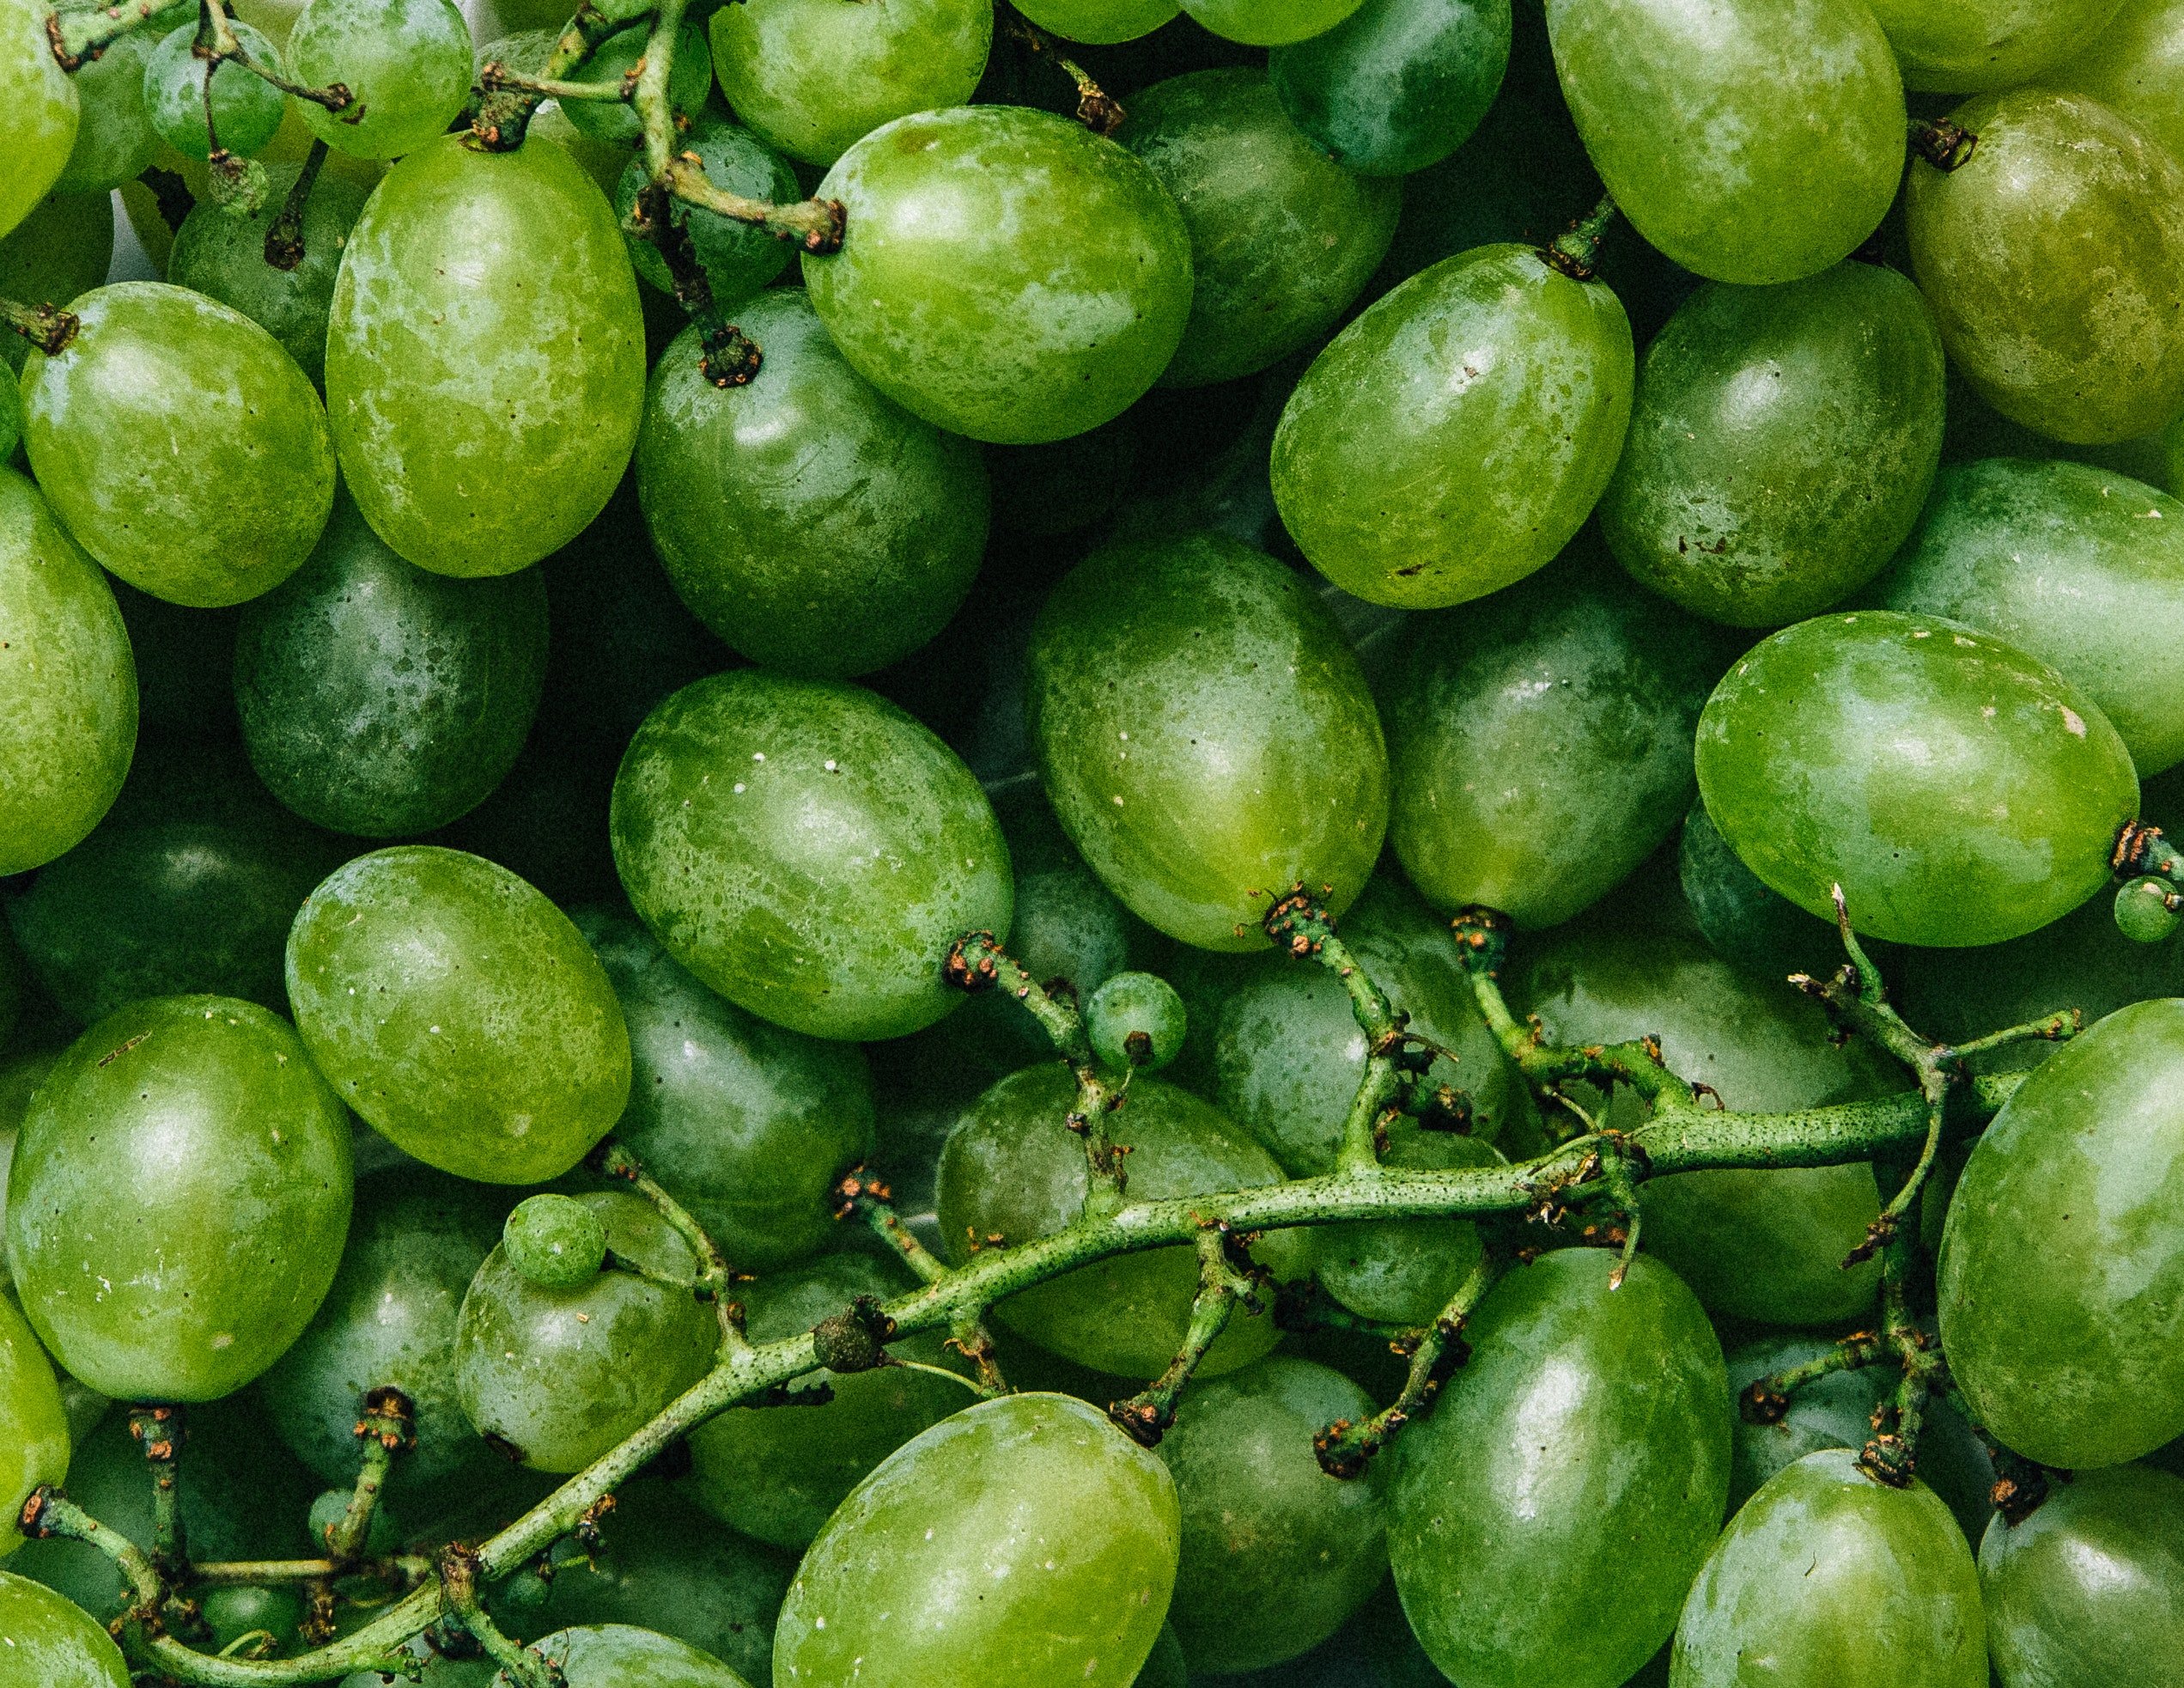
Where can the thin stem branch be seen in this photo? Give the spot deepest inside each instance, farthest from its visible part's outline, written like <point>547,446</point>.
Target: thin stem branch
<point>1576,251</point>
<point>1344,1449</point>
<point>79,35</point>
<point>1300,924</point>
<point>284,240</point>
<point>160,1432</point>
<point>523,1666</point>
<point>402,1570</point>
<point>218,43</point>
<point>48,327</point>
<point>1226,1278</point>
<point>504,115</point>
<point>614,1159</point>
<point>860,1196</point>
<point>496,78</point>
<point>1099,110</point>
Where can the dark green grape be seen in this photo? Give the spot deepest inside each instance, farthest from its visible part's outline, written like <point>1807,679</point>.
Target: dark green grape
<point>1962,48</point>
<point>1585,1444</point>
<point>50,1642</point>
<point>616,123</point>
<point>555,1377</point>
<point>615,1655</point>
<point>1398,85</point>
<point>2134,66</point>
<point>114,140</point>
<point>1273,772</point>
<point>2142,910</point>
<point>383,1535</point>
<point>379,699</point>
<point>246,109</point>
<point>808,850</point>
<point>1958,790</point>
<point>1269,23</point>
<point>554,1242</point>
<point>2080,1594</point>
<point>61,248</point>
<point>405,63</point>
<point>1540,742</point>
<point>1281,239</point>
<point>1016,278</point>
<point>2061,1284</point>
<point>778,1475</point>
<point>40,106</point>
<point>1013,1170</point>
<point>1100,21</point>
<point>1404,1271</point>
<point>737,259</point>
<point>1166,1667</point>
<point>2084,355</point>
<point>70,726</point>
<point>1136,1019</point>
<point>1025,1541</point>
<point>1756,928</point>
<point>220,252</point>
<point>33,1422</point>
<point>1276,1554</point>
<point>459,1013</point>
<point>1760,141</point>
<point>1451,439</point>
<point>1832,1577</point>
<point>810,522</point>
<point>115,427</point>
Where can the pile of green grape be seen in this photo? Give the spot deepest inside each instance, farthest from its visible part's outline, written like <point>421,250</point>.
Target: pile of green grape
<point>922,844</point>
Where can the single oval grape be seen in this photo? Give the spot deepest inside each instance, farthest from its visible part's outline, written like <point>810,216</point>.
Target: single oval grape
<point>810,522</point>
<point>1452,439</point>
<point>2087,357</point>
<point>616,123</point>
<point>1273,773</point>
<point>616,1655</point>
<point>737,259</point>
<point>1101,22</point>
<point>2143,913</point>
<point>2135,67</point>
<point>246,110</point>
<point>1958,790</point>
<point>406,64</point>
<point>1269,23</point>
<point>554,1242</point>
<point>1399,84</point>
<point>1962,48</point>
<point>52,1642</point>
<point>469,450</point>
<point>1013,277</point>
<point>1136,1019</point>
<point>41,108</point>
<point>33,1423</point>
<point>179,1196</point>
<point>1493,1541</point>
<point>116,423</point>
<point>115,142</point>
<point>459,1013</point>
<point>1024,1540</point>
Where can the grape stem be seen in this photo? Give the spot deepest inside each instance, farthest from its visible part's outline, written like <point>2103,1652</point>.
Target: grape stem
<point>81,34</point>
<point>1766,1400</point>
<point>1576,251</point>
<point>218,43</point>
<point>284,240</point>
<point>1226,1279</point>
<point>160,1432</point>
<point>715,1279</point>
<point>523,1666</point>
<point>504,114</point>
<point>1947,146</point>
<point>1436,1353</point>
<point>1096,109</point>
<point>48,327</point>
<point>860,1196</point>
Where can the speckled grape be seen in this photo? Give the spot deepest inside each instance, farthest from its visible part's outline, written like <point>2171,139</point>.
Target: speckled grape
<point>246,109</point>
<point>406,64</point>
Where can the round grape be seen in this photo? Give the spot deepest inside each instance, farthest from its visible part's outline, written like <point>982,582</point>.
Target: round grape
<point>246,109</point>
<point>615,1655</point>
<point>1136,1019</point>
<point>1983,44</point>
<point>406,64</point>
<point>2143,913</point>
<point>52,1643</point>
<point>554,1242</point>
<point>1101,22</point>
<point>1269,23</point>
<point>2134,66</point>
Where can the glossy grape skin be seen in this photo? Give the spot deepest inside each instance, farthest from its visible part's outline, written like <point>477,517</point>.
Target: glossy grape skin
<point>828,902</point>
<point>115,427</point>
<point>811,522</point>
<point>246,109</point>
<point>1136,1019</point>
<point>554,1242</point>
<point>69,727</point>
<point>1399,84</point>
<point>2060,1267</point>
<point>1986,44</point>
<point>1760,141</point>
<point>63,248</point>
<point>459,1013</point>
<point>406,64</point>
<point>33,1422</point>
<point>52,1643</point>
<point>1101,22</point>
<point>737,259</point>
<point>468,450</point>
<point>1540,742</point>
<point>812,78</point>
<point>1011,1167</point>
<point>382,700</point>
<point>220,252</point>
<point>1495,1545</point>
<point>2084,356</point>
<point>179,1198</point>
<point>1205,736</point>
<point>1958,790</point>
<point>1830,1577</point>
<point>41,109</point>
<point>616,1655</point>
<point>1025,1543</point>
<point>1282,239</point>
<point>114,139</point>
<point>690,79</point>
<point>1748,925</point>
<point>1013,277</point>
<point>558,1376</point>
<point>1405,484</point>
<point>2081,1593</point>
<point>2135,67</point>
<point>1269,23</point>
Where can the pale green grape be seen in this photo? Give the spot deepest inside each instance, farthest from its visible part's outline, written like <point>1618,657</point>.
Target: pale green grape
<point>39,110</point>
<point>406,64</point>
<point>246,109</point>
<point>555,1242</point>
<point>616,123</point>
<point>52,1643</point>
<point>1398,85</point>
<point>1961,46</point>
<point>1136,1019</point>
<point>114,138</point>
<point>2143,914</point>
<point>737,259</point>
<point>1269,23</point>
<point>615,1655</point>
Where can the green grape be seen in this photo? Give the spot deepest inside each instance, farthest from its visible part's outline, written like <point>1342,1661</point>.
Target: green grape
<point>1406,482</point>
<point>220,252</point>
<point>2135,67</point>
<point>246,109</point>
<point>616,123</point>
<point>50,1642</point>
<point>2142,910</point>
<point>1101,22</point>
<point>1755,929</point>
<point>179,1194</point>
<point>117,427</point>
<point>555,1377</point>
<point>1282,239</point>
<point>70,724</point>
<point>777,1476</point>
<point>468,448</point>
<point>2061,1284</point>
<point>406,64</point>
<point>2085,356</point>
<point>812,77</point>
<point>1273,773</point>
<point>1541,741</point>
<point>1962,48</point>
<point>63,248</point>
<point>1165,1666</point>
<point>1585,1444</point>
<point>2081,1593</point>
<point>232,1613</point>
<point>1012,1170</point>
<point>828,901</point>
<point>33,1422</point>
<point>1757,140</point>
<point>383,1535</point>
<point>2082,568</point>
<point>616,1655</point>
<point>1958,790</point>
<point>379,699</point>
<point>1398,85</point>
<point>1829,1576</point>
<point>1781,444</point>
<point>554,1242</point>
<point>1025,1541</point>
<point>41,111</point>
<point>807,520</point>
<point>1136,1019</point>
<point>414,1243</point>
<point>114,140</point>
<point>1269,23</point>
<point>1014,276</point>
<point>737,258</point>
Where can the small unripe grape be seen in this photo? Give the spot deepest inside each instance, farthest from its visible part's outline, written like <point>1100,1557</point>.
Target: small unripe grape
<point>555,1242</point>
<point>2143,912</point>
<point>1136,1019</point>
<point>246,109</point>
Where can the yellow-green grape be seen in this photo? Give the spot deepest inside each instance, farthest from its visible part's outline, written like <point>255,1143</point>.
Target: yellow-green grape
<point>50,1642</point>
<point>33,1423</point>
<point>555,1242</point>
<point>616,123</point>
<point>2135,67</point>
<point>1269,23</point>
<point>1963,47</point>
<point>38,111</point>
<point>246,109</point>
<point>1136,1019</point>
<point>1101,22</point>
<point>406,64</point>
<point>616,1655</point>
<point>2143,913</point>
